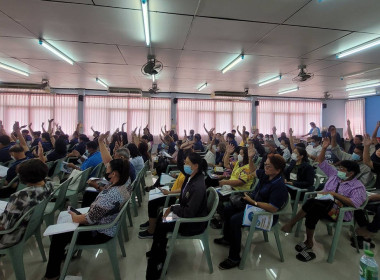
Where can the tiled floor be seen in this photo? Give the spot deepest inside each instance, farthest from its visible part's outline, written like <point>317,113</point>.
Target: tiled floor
<point>188,261</point>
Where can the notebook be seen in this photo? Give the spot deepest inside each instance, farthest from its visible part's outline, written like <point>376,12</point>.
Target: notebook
<point>156,193</point>
<point>3,171</point>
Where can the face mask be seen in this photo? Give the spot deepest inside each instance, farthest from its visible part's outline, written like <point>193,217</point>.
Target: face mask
<point>312,144</point>
<point>87,152</point>
<point>235,157</point>
<point>163,146</point>
<point>107,177</point>
<point>266,139</point>
<point>240,158</point>
<point>176,148</point>
<point>355,157</point>
<point>247,145</point>
<point>282,147</point>
<point>342,175</point>
<point>294,156</point>
<point>187,169</point>
<point>267,150</point>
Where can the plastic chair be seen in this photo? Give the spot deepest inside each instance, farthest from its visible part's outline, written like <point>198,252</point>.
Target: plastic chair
<point>97,170</point>
<point>170,167</point>
<point>51,207</point>
<point>275,229</point>
<point>337,225</point>
<point>16,252</point>
<point>110,245</point>
<point>57,167</point>
<point>72,195</point>
<point>14,180</point>
<point>371,184</point>
<point>212,203</point>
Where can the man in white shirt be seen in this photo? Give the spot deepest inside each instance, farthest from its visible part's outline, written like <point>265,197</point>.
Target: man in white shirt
<point>314,148</point>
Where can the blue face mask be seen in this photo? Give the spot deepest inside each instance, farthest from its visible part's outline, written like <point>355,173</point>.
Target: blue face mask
<point>312,144</point>
<point>355,157</point>
<point>187,169</point>
<point>342,175</point>
<point>163,146</point>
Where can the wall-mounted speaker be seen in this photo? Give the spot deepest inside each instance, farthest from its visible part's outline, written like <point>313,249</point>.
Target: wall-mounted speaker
<point>80,98</point>
<point>175,100</point>
<point>324,105</point>
<point>257,103</point>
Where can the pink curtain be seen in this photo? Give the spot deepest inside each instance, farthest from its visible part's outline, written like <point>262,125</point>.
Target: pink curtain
<point>355,112</point>
<point>285,114</point>
<point>223,115</point>
<point>38,108</point>
<point>110,112</point>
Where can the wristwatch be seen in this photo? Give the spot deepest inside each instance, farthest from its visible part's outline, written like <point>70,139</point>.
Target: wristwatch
<point>255,202</point>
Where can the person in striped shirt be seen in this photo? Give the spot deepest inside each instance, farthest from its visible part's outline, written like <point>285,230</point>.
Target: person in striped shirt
<point>344,190</point>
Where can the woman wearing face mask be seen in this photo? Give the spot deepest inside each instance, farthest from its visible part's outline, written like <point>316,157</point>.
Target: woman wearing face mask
<point>192,203</point>
<point>314,148</point>
<point>299,173</point>
<point>284,145</point>
<point>345,190</point>
<point>102,211</point>
<point>240,178</point>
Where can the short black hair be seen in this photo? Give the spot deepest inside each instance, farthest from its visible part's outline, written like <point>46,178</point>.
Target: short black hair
<point>359,147</point>
<point>92,145</point>
<point>16,149</point>
<point>46,136</point>
<point>133,150</point>
<point>351,166</point>
<point>5,140</point>
<point>32,171</point>
<point>331,126</point>
<point>122,167</point>
<point>302,145</point>
<point>37,133</point>
<point>60,146</point>
<point>360,137</point>
<point>302,152</point>
<point>197,136</point>
<point>83,137</point>
<point>195,158</point>
<point>145,137</point>
<point>246,133</point>
<point>233,130</point>
<point>230,135</point>
<point>316,138</point>
<point>25,131</point>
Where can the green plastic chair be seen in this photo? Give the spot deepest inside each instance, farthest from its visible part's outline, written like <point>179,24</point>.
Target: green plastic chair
<point>51,207</point>
<point>72,195</point>
<point>275,229</point>
<point>57,167</point>
<point>14,180</point>
<point>171,167</point>
<point>146,168</point>
<point>371,184</point>
<point>212,203</point>
<point>110,245</point>
<point>337,225</point>
<point>16,252</point>
<point>97,170</point>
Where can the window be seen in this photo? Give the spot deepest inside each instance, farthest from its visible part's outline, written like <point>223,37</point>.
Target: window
<point>355,111</point>
<point>285,114</point>
<point>219,114</point>
<point>108,113</point>
<point>38,108</point>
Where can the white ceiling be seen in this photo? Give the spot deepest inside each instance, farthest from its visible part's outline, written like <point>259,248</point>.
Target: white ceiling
<point>194,39</point>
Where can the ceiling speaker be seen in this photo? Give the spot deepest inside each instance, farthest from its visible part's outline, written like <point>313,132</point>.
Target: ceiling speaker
<point>257,103</point>
<point>175,100</point>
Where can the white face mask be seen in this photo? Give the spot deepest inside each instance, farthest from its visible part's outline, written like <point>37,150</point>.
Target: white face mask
<point>176,147</point>
<point>240,158</point>
<point>235,157</point>
<point>294,156</point>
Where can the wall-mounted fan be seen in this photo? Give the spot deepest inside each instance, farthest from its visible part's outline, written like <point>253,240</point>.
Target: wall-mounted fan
<point>152,67</point>
<point>303,76</point>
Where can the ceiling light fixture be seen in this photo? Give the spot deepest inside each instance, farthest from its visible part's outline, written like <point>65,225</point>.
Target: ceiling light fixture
<point>202,86</point>
<point>359,48</point>
<point>289,90</point>
<point>101,82</point>
<point>270,81</point>
<point>56,52</point>
<point>144,7</point>
<point>153,78</point>
<point>362,94</point>
<point>10,68</point>
<point>363,86</point>
<point>233,63</point>
<point>359,73</point>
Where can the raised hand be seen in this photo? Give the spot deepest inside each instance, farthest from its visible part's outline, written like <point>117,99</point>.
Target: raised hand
<point>237,128</point>
<point>326,143</point>
<point>251,150</point>
<point>378,124</point>
<point>333,132</point>
<point>367,141</point>
<point>50,120</point>
<point>290,131</point>
<point>244,129</point>
<point>30,125</point>
<point>348,122</point>
<point>274,129</point>
<point>21,127</point>
<point>230,149</point>
<point>103,136</point>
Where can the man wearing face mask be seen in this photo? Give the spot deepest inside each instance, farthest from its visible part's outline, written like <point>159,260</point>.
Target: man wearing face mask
<point>344,189</point>
<point>314,148</point>
<point>365,175</point>
<point>93,159</point>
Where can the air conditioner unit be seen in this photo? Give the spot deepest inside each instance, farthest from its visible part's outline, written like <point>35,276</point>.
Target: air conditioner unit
<point>124,91</point>
<point>229,94</point>
<point>19,87</point>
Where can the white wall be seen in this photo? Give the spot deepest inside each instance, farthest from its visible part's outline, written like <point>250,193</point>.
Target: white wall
<point>334,114</point>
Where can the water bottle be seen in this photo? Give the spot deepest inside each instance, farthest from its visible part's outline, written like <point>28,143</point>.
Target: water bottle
<point>368,267</point>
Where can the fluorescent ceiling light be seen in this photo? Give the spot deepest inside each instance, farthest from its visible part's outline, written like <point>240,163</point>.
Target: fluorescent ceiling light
<point>270,81</point>
<point>153,78</point>
<point>362,94</point>
<point>233,63</point>
<point>101,82</point>
<point>10,68</point>
<point>359,48</point>
<point>289,90</point>
<point>202,86</point>
<point>144,7</point>
<point>56,52</point>
<point>363,86</point>
<point>359,73</point>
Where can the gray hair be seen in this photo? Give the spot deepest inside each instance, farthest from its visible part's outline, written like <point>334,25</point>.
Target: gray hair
<point>271,143</point>
<point>124,152</point>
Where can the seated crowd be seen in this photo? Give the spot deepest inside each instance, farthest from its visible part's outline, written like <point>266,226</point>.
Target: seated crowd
<point>249,167</point>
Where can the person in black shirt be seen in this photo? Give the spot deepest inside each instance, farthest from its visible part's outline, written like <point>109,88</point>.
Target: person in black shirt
<point>270,195</point>
<point>60,151</point>
<point>79,149</point>
<point>5,145</point>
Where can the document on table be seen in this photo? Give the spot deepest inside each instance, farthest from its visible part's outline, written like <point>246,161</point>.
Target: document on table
<point>166,179</point>
<point>64,223</point>
<point>264,222</point>
<point>156,193</point>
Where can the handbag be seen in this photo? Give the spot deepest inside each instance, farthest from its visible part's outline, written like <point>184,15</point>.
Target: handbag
<point>237,201</point>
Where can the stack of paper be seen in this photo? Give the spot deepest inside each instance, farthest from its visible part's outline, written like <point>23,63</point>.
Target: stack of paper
<point>264,222</point>
<point>224,192</point>
<point>166,179</point>
<point>64,223</point>
<point>156,193</point>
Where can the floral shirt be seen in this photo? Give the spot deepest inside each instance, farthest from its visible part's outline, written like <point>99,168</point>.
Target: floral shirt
<point>107,206</point>
<point>19,203</point>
